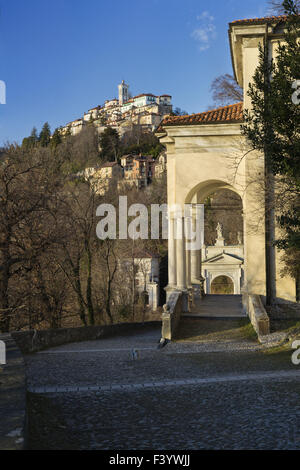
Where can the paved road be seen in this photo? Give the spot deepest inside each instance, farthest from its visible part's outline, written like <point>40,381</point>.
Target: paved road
<point>124,393</point>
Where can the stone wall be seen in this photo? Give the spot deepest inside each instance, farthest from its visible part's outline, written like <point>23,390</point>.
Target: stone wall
<point>285,311</point>
<point>12,398</point>
<point>171,315</point>
<point>37,340</point>
<point>257,314</point>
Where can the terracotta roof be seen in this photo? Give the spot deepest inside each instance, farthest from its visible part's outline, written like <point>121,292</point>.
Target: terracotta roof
<point>226,114</point>
<point>144,158</point>
<point>132,155</point>
<point>266,19</point>
<point>109,164</point>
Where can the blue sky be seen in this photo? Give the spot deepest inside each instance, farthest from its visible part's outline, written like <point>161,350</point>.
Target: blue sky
<point>59,58</point>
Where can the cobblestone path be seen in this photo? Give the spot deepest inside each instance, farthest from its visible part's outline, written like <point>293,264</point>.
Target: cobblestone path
<point>218,391</point>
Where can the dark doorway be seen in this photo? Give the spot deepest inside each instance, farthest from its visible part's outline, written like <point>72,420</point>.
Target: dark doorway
<point>222,285</point>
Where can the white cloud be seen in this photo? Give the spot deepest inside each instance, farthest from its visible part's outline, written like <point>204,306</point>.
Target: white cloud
<point>206,31</point>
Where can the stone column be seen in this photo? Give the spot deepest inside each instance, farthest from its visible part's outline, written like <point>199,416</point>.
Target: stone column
<point>195,268</point>
<point>172,281</point>
<point>188,268</point>
<point>196,277</point>
<point>196,254</point>
<point>153,297</point>
<point>188,251</point>
<point>180,255</point>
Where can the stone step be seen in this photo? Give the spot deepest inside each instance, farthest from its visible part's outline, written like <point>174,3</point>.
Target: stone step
<point>218,306</point>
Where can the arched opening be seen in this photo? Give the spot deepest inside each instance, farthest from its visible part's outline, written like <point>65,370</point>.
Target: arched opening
<point>222,253</point>
<point>222,285</point>
<point>223,207</point>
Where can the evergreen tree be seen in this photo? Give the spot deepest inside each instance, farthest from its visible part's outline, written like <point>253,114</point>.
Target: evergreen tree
<point>272,127</point>
<point>45,135</point>
<point>110,144</point>
<point>34,135</point>
<point>31,141</point>
<point>91,120</point>
<point>56,138</point>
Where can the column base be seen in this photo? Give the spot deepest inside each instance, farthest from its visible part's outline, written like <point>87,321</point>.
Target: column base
<point>169,289</point>
<point>184,297</point>
<point>198,286</point>
<point>185,300</point>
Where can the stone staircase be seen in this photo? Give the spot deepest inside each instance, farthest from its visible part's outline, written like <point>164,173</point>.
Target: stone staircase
<point>217,306</point>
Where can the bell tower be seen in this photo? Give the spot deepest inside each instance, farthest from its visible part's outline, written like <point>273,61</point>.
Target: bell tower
<point>123,93</point>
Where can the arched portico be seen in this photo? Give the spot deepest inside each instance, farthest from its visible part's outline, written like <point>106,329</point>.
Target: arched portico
<point>207,152</point>
<point>186,270</point>
<point>202,155</point>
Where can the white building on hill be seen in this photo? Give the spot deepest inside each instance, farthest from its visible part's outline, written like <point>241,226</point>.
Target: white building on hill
<point>146,110</point>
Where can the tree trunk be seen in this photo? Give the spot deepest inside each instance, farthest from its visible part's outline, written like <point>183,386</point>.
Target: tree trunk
<point>298,287</point>
<point>269,238</point>
<point>4,278</point>
<point>89,299</point>
<point>269,197</point>
<point>108,297</point>
<point>76,271</point>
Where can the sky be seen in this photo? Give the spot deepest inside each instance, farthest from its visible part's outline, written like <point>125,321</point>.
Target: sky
<point>59,58</point>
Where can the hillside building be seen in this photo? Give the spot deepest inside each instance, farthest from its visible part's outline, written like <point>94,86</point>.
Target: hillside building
<point>146,110</point>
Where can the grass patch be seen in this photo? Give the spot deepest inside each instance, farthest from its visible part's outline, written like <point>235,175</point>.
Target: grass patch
<point>292,329</point>
<point>217,330</point>
<point>249,332</point>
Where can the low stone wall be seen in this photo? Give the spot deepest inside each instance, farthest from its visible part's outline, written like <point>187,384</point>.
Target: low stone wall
<point>12,397</point>
<point>171,315</point>
<point>37,340</point>
<point>258,315</point>
<point>285,311</point>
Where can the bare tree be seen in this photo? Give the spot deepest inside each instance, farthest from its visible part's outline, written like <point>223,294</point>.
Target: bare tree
<point>29,188</point>
<point>78,246</point>
<point>278,7</point>
<point>108,262</point>
<point>226,91</point>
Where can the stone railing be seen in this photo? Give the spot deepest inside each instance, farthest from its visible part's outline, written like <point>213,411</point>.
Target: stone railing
<point>257,314</point>
<point>37,340</point>
<point>12,397</point>
<point>171,315</point>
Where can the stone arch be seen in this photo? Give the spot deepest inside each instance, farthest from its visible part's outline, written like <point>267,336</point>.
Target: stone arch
<point>234,275</point>
<point>202,190</point>
<point>221,273</point>
<point>230,285</point>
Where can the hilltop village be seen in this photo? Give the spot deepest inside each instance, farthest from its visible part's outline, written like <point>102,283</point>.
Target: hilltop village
<point>146,110</point>
<point>143,114</point>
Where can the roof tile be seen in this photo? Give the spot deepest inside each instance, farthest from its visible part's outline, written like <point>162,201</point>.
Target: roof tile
<point>226,114</point>
<point>266,19</point>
